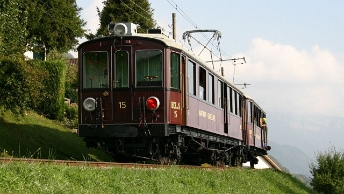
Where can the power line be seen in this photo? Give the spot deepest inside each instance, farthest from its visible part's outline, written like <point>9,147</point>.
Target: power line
<point>183,14</point>
<point>195,26</point>
<point>137,12</point>
<point>137,6</point>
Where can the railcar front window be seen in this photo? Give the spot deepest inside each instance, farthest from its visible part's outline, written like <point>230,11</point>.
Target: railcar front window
<point>122,70</point>
<point>95,70</point>
<point>149,68</point>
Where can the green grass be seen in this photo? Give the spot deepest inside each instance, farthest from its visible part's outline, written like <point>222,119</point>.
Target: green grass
<point>33,136</point>
<point>49,178</point>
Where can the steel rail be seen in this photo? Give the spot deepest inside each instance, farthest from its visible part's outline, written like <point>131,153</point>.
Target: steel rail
<point>6,160</point>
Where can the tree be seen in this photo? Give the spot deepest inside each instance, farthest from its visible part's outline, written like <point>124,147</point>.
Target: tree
<point>13,19</point>
<point>39,25</point>
<point>114,11</point>
<point>53,24</point>
<point>328,174</point>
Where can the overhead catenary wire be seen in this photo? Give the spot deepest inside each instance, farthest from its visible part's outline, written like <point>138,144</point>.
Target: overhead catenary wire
<point>174,5</point>
<point>187,18</point>
<point>136,11</point>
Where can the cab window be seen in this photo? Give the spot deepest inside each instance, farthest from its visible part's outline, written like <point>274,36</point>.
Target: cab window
<point>95,70</point>
<point>148,68</point>
<point>122,70</point>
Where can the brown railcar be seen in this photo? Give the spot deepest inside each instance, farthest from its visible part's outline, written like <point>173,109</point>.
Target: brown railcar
<point>143,96</point>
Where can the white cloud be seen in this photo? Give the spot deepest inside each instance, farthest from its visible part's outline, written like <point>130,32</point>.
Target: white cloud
<point>90,15</point>
<point>284,78</point>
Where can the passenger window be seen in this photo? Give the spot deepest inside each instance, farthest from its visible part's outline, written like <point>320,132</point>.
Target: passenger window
<point>211,88</point>
<point>250,118</point>
<point>122,70</point>
<point>234,97</point>
<point>239,104</point>
<point>175,71</point>
<point>229,96</point>
<point>95,70</point>
<point>148,68</point>
<point>192,78</point>
<point>220,93</point>
<point>202,83</point>
<point>228,103</point>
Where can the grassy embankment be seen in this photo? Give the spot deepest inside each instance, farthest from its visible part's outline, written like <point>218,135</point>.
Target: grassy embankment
<point>33,136</point>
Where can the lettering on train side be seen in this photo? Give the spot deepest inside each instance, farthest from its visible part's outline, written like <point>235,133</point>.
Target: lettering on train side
<point>175,105</point>
<point>204,114</point>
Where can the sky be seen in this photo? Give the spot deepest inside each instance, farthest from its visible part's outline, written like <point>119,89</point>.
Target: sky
<point>294,49</point>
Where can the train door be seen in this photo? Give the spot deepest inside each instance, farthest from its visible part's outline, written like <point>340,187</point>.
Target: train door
<point>225,107</point>
<point>121,90</point>
<point>183,96</point>
<point>246,127</point>
<point>95,79</point>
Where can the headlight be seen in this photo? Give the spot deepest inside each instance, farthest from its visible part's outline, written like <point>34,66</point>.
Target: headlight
<point>120,29</point>
<point>152,103</point>
<point>89,104</point>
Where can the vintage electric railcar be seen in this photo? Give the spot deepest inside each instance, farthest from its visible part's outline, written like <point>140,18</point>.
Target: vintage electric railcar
<point>143,96</point>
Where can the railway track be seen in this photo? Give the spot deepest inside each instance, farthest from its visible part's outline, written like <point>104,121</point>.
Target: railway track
<point>97,164</point>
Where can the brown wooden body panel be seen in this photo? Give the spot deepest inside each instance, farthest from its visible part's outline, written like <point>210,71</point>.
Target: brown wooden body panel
<point>235,127</point>
<point>182,117</point>
<point>174,107</point>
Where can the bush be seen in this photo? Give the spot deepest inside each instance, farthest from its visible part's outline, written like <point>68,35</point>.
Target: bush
<point>328,173</point>
<point>52,101</point>
<point>46,82</point>
<point>71,83</point>
<point>71,115</point>
<point>37,85</point>
<point>13,88</point>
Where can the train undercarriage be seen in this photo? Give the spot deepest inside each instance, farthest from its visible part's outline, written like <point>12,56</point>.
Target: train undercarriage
<point>182,146</point>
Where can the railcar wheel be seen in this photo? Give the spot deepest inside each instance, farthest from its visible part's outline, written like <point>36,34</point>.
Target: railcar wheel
<point>236,161</point>
<point>252,164</point>
<point>220,158</point>
<point>156,156</point>
<point>168,160</point>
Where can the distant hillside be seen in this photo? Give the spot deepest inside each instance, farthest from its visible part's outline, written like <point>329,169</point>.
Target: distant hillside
<point>292,158</point>
<point>310,133</point>
<point>297,139</point>
<point>34,136</point>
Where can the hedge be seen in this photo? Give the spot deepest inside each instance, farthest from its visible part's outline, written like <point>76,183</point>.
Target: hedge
<point>47,87</point>
<point>13,86</point>
<point>34,84</point>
